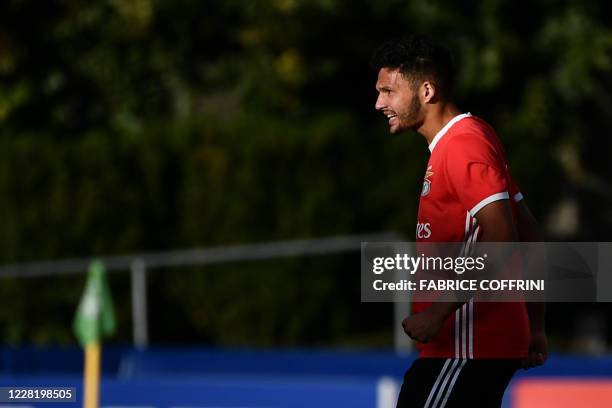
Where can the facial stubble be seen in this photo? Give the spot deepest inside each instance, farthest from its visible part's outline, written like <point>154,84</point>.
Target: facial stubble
<point>410,119</point>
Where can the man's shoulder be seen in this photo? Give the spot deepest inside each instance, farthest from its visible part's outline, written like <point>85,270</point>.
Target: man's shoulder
<point>474,123</point>
<point>471,136</point>
<point>472,128</point>
<point>473,141</point>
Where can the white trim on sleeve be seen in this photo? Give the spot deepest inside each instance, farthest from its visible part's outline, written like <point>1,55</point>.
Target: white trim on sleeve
<point>488,200</point>
<point>518,197</point>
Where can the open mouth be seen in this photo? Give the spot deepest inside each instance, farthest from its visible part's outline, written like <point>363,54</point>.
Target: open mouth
<point>391,117</point>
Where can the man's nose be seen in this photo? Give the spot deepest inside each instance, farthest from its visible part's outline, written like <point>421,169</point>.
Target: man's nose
<point>379,103</point>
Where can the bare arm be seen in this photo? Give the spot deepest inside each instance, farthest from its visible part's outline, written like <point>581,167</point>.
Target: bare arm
<point>529,231</point>
<point>497,222</point>
<point>498,226</point>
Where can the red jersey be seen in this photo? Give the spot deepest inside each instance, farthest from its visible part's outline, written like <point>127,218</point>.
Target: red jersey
<point>466,171</point>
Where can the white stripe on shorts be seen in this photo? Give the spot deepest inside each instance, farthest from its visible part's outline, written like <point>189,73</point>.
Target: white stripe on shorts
<point>447,377</point>
<point>433,389</point>
<point>452,384</point>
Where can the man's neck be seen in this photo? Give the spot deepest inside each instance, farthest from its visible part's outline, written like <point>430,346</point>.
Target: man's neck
<point>438,116</point>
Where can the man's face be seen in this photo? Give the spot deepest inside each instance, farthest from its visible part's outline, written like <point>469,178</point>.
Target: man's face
<point>398,101</point>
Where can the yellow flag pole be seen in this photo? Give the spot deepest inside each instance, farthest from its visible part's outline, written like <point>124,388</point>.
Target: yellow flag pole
<point>92,375</point>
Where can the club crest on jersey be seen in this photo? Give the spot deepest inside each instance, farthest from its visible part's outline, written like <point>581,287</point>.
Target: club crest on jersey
<point>427,182</point>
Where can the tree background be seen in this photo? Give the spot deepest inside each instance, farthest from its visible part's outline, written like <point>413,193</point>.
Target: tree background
<point>144,125</point>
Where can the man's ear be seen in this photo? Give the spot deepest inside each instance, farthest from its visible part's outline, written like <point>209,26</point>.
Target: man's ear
<point>428,92</point>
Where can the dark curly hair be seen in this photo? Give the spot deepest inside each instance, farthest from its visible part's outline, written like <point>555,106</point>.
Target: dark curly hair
<point>419,58</point>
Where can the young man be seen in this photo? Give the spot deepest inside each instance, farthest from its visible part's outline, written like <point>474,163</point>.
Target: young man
<point>468,352</point>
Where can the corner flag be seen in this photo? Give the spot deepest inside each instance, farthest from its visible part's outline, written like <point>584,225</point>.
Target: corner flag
<point>95,319</point>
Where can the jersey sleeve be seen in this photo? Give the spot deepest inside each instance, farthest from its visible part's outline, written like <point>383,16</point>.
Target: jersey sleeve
<point>477,172</point>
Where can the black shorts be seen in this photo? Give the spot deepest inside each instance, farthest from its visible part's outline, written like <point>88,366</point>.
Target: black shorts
<point>455,382</point>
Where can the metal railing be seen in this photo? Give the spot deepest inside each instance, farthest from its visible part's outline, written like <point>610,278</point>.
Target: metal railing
<point>138,264</point>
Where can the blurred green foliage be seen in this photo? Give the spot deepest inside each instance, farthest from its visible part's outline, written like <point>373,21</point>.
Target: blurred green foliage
<point>133,125</point>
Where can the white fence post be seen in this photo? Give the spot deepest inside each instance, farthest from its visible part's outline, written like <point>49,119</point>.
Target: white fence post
<point>138,272</point>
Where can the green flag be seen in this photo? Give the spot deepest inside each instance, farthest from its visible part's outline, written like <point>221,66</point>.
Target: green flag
<point>95,317</point>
